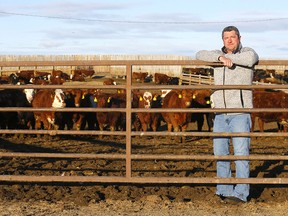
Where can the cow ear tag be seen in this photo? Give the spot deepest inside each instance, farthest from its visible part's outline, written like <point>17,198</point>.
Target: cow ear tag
<point>141,99</point>
<point>179,96</point>
<point>83,96</point>
<point>95,99</point>
<point>109,99</point>
<point>207,102</point>
<point>154,98</point>
<point>194,96</point>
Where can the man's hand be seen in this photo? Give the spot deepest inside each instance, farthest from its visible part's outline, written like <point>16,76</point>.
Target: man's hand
<point>226,61</point>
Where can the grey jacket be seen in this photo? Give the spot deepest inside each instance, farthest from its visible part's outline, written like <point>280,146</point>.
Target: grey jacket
<point>241,73</point>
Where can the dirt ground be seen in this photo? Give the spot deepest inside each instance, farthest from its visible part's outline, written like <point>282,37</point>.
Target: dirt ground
<point>132,199</point>
<point>71,199</point>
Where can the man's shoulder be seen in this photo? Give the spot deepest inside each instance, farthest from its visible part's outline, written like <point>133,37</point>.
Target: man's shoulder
<point>245,49</point>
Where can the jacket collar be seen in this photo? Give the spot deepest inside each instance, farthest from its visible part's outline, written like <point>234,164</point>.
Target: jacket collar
<point>236,51</point>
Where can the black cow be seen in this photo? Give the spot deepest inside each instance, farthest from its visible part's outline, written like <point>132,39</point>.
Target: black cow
<point>14,120</point>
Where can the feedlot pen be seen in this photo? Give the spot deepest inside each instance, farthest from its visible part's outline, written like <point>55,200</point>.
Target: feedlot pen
<point>130,154</point>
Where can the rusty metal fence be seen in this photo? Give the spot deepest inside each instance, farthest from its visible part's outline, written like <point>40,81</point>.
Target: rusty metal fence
<point>128,156</point>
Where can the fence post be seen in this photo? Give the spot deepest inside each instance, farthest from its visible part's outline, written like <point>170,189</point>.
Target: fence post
<point>128,120</point>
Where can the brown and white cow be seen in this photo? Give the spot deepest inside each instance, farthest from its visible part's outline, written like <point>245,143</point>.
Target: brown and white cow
<point>84,72</point>
<point>25,76</point>
<point>145,120</point>
<point>47,98</point>
<point>77,77</point>
<point>72,99</point>
<point>109,81</point>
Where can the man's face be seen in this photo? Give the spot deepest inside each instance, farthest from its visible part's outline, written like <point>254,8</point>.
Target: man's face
<point>231,41</point>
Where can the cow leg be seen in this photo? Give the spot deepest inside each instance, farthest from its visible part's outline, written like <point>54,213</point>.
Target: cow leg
<point>137,125</point>
<point>144,127</point>
<point>101,128</point>
<point>37,121</point>
<point>169,127</point>
<point>281,127</point>
<point>253,118</point>
<point>200,122</point>
<point>261,125</point>
<point>177,129</point>
<point>184,128</point>
<point>210,120</point>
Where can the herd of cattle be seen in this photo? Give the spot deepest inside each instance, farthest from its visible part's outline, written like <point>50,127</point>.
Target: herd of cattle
<point>116,98</point>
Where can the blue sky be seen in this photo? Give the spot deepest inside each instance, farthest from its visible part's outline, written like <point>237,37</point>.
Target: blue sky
<point>150,27</point>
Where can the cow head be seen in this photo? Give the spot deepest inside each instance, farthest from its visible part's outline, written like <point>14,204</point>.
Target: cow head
<point>164,92</point>
<point>201,98</point>
<point>58,101</point>
<point>29,94</point>
<point>186,96</point>
<point>147,98</point>
<point>77,94</point>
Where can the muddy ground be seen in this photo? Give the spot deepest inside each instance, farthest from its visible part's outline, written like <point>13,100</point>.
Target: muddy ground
<point>132,199</point>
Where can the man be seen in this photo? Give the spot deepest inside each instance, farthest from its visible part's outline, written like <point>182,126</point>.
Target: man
<point>238,63</point>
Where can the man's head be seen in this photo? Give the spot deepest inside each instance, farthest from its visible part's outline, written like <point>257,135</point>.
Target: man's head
<point>231,38</point>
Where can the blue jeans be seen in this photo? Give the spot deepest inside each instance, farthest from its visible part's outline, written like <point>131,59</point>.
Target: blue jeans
<point>241,146</point>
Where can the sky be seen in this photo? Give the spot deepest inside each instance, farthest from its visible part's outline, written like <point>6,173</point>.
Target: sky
<point>142,27</point>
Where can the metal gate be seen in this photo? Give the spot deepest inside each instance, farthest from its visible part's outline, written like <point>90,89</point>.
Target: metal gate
<point>128,156</point>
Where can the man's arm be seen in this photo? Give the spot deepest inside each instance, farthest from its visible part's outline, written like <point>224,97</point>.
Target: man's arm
<point>209,56</point>
<point>247,57</point>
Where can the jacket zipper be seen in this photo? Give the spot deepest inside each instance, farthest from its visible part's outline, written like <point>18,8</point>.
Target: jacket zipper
<point>224,100</point>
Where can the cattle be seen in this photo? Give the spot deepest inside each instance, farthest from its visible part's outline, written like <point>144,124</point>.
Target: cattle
<point>47,98</point>
<point>65,76</point>
<point>201,99</point>
<point>42,75</point>
<point>144,121</point>
<point>269,76</point>
<point>103,101</point>
<point>270,99</point>
<point>84,72</point>
<point>109,81</point>
<point>41,78</point>
<point>39,81</point>
<point>56,73</point>
<point>140,76</point>
<point>117,119</point>
<point>29,93</point>
<point>111,120</point>
<point>14,120</point>
<point>173,81</point>
<point>83,119</point>
<point>72,99</point>
<point>160,78</point>
<point>177,99</point>
<point>55,80</point>
<point>199,71</point>
<point>12,79</point>
<point>60,74</point>
<point>77,77</point>
<point>25,76</point>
